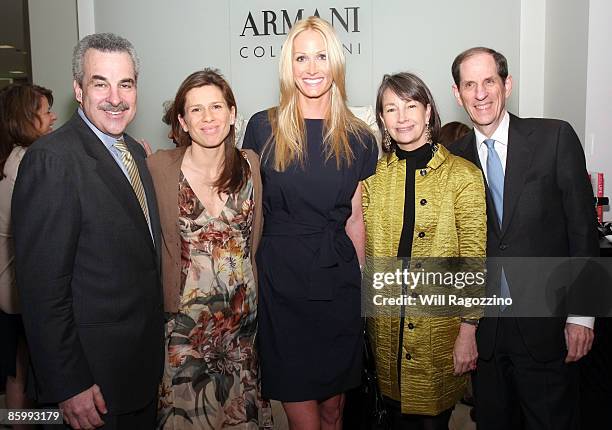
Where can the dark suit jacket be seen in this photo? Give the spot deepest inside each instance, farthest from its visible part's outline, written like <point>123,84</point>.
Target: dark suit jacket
<point>88,271</point>
<point>548,212</point>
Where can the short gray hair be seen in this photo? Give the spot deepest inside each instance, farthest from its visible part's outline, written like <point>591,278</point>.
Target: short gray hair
<point>105,42</point>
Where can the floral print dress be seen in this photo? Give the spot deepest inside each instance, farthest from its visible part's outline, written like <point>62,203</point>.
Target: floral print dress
<point>211,375</point>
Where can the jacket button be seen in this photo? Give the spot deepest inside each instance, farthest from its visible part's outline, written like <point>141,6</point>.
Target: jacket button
<point>418,265</point>
<point>422,234</point>
<point>410,326</point>
<point>423,172</point>
<point>423,202</point>
<point>408,356</point>
<point>415,295</point>
<point>503,246</point>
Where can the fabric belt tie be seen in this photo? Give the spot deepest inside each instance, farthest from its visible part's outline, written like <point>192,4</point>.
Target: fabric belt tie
<point>335,247</point>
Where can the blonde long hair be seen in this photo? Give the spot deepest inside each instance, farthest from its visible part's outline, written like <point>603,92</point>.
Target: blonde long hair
<point>287,121</point>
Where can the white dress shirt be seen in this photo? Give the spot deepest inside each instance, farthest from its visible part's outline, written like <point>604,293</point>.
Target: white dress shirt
<point>500,135</point>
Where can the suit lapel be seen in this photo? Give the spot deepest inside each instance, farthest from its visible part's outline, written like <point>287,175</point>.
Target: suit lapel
<point>112,176</point>
<point>520,152</point>
<point>467,149</point>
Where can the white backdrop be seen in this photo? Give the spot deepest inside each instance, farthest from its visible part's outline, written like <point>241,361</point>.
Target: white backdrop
<point>258,30</point>
<point>563,47</point>
<point>175,38</point>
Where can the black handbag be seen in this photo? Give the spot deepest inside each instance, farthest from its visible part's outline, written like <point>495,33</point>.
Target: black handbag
<point>377,416</point>
<point>365,408</point>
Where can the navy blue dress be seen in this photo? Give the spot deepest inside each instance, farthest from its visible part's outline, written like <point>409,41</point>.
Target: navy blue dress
<point>309,280</point>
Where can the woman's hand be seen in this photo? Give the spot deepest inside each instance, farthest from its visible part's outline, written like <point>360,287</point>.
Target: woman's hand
<point>465,352</point>
<point>145,145</point>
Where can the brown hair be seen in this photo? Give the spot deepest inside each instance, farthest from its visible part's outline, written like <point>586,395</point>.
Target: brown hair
<point>19,105</point>
<point>452,131</point>
<point>408,86</point>
<point>500,62</point>
<point>167,119</point>
<point>236,171</point>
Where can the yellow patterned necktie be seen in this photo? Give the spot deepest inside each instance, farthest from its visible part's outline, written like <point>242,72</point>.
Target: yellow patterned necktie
<point>132,170</point>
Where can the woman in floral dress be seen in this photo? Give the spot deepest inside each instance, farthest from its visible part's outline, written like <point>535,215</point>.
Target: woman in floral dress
<point>209,201</point>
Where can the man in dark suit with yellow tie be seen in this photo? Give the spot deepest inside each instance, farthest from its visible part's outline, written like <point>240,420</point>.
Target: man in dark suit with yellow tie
<point>87,233</point>
<point>539,204</point>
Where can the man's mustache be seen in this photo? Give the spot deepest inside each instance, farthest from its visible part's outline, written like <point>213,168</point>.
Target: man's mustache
<point>109,107</point>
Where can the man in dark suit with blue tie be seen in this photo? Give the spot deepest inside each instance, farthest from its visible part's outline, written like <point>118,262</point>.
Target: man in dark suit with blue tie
<point>539,204</point>
<point>87,234</point>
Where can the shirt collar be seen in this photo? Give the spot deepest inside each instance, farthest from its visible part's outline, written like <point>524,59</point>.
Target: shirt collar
<point>500,135</point>
<point>107,140</point>
<point>439,156</point>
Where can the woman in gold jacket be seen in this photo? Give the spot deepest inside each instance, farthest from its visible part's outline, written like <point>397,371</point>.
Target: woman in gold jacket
<point>422,202</point>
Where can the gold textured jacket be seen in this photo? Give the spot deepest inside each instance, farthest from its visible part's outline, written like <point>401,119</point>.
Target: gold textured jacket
<point>450,221</point>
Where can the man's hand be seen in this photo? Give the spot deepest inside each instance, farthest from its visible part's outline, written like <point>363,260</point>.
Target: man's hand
<point>579,340</point>
<point>465,353</point>
<point>83,410</point>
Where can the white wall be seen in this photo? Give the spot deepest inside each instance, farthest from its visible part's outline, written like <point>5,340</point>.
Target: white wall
<point>424,37</point>
<point>598,129</point>
<point>177,38</point>
<point>533,54</point>
<point>565,64</point>
<point>558,53</point>
<point>565,73</point>
<point>53,34</point>
<point>172,39</point>
<point>86,17</point>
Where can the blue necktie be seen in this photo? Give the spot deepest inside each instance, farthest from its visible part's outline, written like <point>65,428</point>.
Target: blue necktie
<point>495,180</point>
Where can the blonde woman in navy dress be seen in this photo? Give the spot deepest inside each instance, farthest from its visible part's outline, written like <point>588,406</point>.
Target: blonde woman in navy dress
<point>314,153</point>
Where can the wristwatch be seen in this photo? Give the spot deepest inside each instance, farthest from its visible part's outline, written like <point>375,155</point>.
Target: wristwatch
<point>471,321</point>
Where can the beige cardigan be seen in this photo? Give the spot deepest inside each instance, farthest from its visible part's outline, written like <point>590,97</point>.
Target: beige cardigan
<point>9,299</point>
<point>165,168</point>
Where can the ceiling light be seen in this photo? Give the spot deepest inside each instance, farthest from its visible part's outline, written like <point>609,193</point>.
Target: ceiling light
<point>7,47</point>
<point>16,72</point>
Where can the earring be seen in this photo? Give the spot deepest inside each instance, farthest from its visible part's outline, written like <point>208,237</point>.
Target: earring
<point>386,141</point>
<point>428,135</point>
